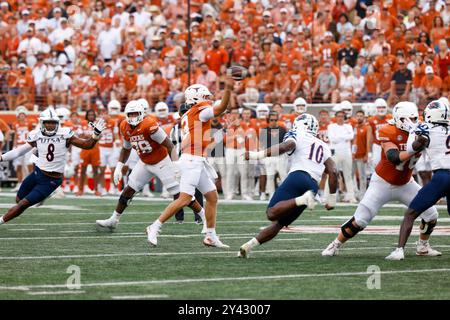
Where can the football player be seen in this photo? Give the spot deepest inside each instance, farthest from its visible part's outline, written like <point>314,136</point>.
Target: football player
<point>376,122</point>
<point>434,136</point>
<point>154,149</point>
<point>22,127</point>
<point>108,158</point>
<point>88,157</point>
<point>52,143</point>
<point>311,157</point>
<point>392,180</point>
<point>196,172</point>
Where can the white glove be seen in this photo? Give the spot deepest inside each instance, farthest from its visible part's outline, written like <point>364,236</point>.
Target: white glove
<point>409,125</point>
<point>118,173</point>
<point>98,126</point>
<point>331,201</point>
<point>253,155</point>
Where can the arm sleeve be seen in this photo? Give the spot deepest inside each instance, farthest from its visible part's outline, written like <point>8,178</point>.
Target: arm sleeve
<point>20,151</point>
<point>206,114</point>
<point>159,136</point>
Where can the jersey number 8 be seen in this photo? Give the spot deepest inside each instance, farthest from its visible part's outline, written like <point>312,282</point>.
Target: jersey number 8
<point>142,146</point>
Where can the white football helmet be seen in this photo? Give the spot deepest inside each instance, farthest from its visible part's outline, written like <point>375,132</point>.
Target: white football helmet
<point>262,111</point>
<point>347,107</point>
<point>114,107</point>
<point>48,115</point>
<point>445,101</point>
<point>382,107</point>
<point>369,109</point>
<point>144,103</point>
<point>21,109</point>
<point>63,113</point>
<point>337,107</point>
<point>306,122</point>
<point>197,93</point>
<point>300,105</point>
<point>437,112</point>
<point>132,107</point>
<point>161,110</point>
<point>403,110</point>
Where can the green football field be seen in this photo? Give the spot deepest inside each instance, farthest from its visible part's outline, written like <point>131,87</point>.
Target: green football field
<point>49,247</point>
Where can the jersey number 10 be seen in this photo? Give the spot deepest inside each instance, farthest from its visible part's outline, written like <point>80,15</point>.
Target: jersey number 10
<point>318,153</point>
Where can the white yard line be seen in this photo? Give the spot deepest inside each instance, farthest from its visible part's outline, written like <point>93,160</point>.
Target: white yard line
<point>200,253</point>
<point>146,296</point>
<point>121,235</point>
<point>223,279</point>
<point>25,229</point>
<point>42,293</point>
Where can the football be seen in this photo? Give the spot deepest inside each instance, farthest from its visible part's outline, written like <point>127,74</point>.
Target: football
<point>237,72</point>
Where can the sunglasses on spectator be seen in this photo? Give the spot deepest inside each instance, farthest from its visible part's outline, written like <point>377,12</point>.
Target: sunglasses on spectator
<point>273,120</point>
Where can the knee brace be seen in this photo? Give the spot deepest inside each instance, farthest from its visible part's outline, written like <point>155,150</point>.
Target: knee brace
<point>125,200</point>
<point>427,227</point>
<point>349,226</point>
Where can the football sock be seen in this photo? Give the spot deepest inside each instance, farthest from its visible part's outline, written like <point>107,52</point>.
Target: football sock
<point>116,215</point>
<point>211,232</point>
<point>253,243</point>
<point>202,215</point>
<point>157,223</point>
<point>1,220</point>
<point>337,242</point>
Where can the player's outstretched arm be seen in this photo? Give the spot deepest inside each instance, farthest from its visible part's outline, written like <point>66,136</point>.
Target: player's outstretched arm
<point>98,126</point>
<point>330,169</point>
<point>273,151</point>
<point>222,107</point>
<point>17,152</point>
<point>395,156</point>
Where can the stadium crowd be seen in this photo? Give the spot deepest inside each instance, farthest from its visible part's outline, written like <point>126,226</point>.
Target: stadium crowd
<point>84,55</point>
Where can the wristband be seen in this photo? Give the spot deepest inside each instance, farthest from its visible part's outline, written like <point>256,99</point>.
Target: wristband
<point>253,155</point>
<point>120,165</point>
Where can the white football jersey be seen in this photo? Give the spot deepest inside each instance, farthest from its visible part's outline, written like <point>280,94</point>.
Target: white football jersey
<point>51,150</point>
<point>310,153</point>
<point>439,149</point>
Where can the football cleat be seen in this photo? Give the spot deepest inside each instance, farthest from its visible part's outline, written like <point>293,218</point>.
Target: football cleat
<point>331,250</point>
<point>307,199</point>
<point>244,251</point>
<point>152,235</point>
<point>214,242</point>
<point>110,223</point>
<point>424,249</point>
<point>397,254</point>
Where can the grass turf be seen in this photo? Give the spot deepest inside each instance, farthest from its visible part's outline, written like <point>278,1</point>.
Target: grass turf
<point>38,247</point>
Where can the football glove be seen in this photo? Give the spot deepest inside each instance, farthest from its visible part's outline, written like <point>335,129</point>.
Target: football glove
<point>118,173</point>
<point>98,127</point>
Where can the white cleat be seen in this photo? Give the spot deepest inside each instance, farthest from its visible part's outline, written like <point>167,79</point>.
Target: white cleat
<point>397,254</point>
<point>308,199</point>
<point>214,242</point>
<point>110,223</point>
<point>263,197</point>
<point>331,250</point>
<point>152,235</point>
<point>424,249</point>
<point>247,198</point>
<point>244,251</point>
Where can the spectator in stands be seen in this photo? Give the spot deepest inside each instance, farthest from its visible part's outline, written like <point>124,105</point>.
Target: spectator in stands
<point>401,83</point>
<point>431,86</point>
<point>325,84</point>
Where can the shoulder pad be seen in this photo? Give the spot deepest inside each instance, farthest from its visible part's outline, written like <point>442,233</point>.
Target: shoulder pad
<point>33,135</point>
